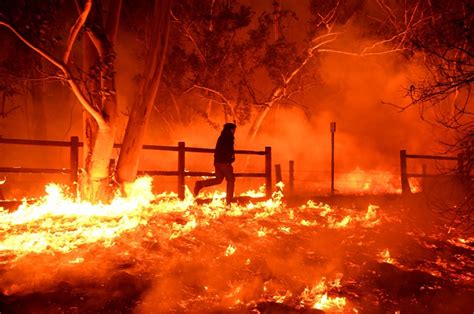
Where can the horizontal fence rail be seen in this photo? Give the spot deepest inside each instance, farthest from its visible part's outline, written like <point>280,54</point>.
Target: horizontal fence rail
<point>35,142</point>
<point>404,175</point>
<point>432,157</point>
<point>34,170</point>
<point>180,172</point>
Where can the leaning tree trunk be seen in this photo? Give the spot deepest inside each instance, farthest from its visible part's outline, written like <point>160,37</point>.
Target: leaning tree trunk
<point>127,166</point>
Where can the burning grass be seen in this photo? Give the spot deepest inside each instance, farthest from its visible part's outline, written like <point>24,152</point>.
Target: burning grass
<point>153,253</point>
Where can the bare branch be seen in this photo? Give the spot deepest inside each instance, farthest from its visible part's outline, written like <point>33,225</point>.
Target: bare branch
<point>187,34</point>
<point>75,30</point>
<point>66,76</point>
<point>226,101</point>
<point>113,19</point>
<point>400,108</point>
<point>98,44</point>
<point>329,19</point>
<point>389,12</point>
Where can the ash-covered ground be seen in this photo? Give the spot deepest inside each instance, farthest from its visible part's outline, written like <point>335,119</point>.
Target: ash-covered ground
<point>356,255</point>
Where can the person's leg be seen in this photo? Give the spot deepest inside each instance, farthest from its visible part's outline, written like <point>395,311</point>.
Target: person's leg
<point>209,182</point>
<point>228,172</point>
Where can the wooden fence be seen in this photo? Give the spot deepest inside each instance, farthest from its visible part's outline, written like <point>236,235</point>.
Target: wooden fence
<point>291,177</point>
<point>180,172</point>
<point>403,167</point>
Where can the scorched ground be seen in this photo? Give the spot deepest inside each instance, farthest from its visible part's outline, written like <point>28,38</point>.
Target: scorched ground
<point>150,253</point>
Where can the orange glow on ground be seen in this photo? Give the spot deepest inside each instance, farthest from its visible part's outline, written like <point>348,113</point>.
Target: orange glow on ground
<point>262,256</point>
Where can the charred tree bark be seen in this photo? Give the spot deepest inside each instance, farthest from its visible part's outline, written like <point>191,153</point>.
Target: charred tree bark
<point>127,165</point>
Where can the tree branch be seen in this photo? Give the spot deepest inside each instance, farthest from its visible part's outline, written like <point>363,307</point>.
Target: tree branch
<point>75,30</point>
<point>113,19</point>
<point>185,32</point>
<point>98,44</point>
<point>209,90</point>
<point>66,76</point>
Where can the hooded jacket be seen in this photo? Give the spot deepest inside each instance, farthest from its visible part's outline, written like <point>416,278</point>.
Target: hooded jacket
<point>224,152</point>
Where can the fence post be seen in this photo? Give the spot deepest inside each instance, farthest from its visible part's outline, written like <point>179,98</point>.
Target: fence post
<point>291,179</point>
<point>181,161</point>
<point>403,173</point>
<point>278,177</point>
<point>74,162</point>
<point>268,172</point>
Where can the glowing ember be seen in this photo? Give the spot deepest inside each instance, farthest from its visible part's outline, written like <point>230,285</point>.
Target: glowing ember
<point>262,232</point>
<point>384,257</point>
<point>230,250</point>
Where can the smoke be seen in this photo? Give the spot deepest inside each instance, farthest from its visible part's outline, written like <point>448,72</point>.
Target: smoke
<point>354,92</point>
<point>363,95</point>
<point>351,91</point>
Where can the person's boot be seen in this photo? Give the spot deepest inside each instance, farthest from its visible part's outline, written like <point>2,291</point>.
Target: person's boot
<point>197,188</point>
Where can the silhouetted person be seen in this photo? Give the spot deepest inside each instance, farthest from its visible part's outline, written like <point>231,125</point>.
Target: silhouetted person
<point>224,156</point>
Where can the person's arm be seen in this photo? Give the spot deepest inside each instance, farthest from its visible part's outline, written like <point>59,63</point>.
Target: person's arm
<point>232,149</point>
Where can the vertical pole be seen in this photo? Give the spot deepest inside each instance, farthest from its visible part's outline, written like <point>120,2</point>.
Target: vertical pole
<point>268,172</point>
<point>403,173</point>
<point>291,179</point>
<point>333,130</point>
<point>74,162</point>
<point>278,177</point>
<point>181,161</point>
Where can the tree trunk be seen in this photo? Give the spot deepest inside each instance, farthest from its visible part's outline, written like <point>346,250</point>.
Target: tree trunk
<point>101,105</point>
<point>127,166</point>
<point>99,138</point>
<point>95,182</point>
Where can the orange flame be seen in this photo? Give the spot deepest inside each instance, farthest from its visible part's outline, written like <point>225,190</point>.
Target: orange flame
<point>60,223</point>
<point>385,257</point>
<point>317,297</point>
<point>359,181</point>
